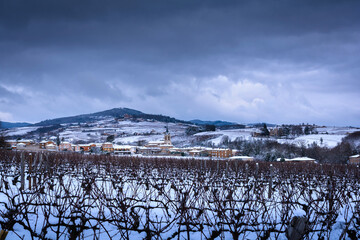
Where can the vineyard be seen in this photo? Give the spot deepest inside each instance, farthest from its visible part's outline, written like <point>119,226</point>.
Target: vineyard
<point>73,196</point>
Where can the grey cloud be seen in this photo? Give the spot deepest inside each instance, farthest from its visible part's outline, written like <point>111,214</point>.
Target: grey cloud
<point>81,48</point>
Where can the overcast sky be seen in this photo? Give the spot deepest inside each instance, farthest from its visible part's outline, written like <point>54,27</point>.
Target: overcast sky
<point>277,61</point>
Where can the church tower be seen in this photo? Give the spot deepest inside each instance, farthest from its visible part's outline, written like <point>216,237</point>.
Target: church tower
<point>167,137</point>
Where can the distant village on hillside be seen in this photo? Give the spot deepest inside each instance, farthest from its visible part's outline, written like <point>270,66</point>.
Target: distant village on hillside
<point>122,131</point>
<point>159,148</point>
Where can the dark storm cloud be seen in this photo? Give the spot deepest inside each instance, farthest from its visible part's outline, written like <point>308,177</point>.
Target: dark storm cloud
<point>134,53</point>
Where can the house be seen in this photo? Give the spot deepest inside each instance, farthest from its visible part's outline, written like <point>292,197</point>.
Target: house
<point>65,146</point>
<point>274,132</point>
<point>43,143</point>
<point>151,144</point>
<point>95,147</point>
<point>124,149</point>
<point>50,147</point>
<point>219,152</point>
<point>26,142</point>
<point>11,143</point>
<point>85,147</point>
<point>107,147</point>
<point>210,152</point>
<point>196,152</point>
<point>149,150</point>
<point>177,152</point>
<point>20,146</point>
<point>75,148</point>
<point>256,133</point>
<point>165,148</point>
<point>355,159</point>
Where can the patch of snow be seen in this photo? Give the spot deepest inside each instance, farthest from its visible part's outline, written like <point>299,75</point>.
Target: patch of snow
<point>19,131</point>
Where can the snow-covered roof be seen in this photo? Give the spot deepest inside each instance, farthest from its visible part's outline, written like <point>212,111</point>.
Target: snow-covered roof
<point>195,151</point>
<point>92,144</point>
<point>150,148</point>
<point>217,149</point>
<point>123,146</point>
<point>156,142</point>
<point>355,156</point>
<point>300,159</point>
<point>241,158</point>
<point>166,145</point>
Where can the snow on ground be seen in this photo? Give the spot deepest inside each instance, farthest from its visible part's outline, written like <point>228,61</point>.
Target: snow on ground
<point>19,131</point>
<point>131,132</point>
<point>219,135</point>
<point>337,130</point>
<point>328,140</point>
<point>334,136</point>
<point>137,138</point>
<point>125,132</point>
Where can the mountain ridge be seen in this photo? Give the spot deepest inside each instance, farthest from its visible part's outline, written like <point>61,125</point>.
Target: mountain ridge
<point>215,123</point>
<point>13,124</point>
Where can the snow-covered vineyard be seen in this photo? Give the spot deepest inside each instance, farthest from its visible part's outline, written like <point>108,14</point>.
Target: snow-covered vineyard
<point>68,196</point>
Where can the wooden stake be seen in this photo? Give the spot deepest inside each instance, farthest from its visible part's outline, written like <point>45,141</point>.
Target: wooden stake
<point>22,171</point>
<point>270,181</point>
<point>3,234</point>
<point>30,169</point>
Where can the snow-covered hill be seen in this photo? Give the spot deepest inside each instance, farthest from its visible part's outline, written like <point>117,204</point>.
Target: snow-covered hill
<point>140,131</point>
<point>129,126</point>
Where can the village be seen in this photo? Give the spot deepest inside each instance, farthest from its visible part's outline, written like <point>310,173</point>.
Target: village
<point>152,148</point>
<point>160,148</point>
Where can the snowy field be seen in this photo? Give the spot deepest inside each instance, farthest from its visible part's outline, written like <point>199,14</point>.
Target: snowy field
<point>93,197</point>
<point>331,139</point>
<point>322,140</point>
<point>19,131</point>
<point>218,136</point>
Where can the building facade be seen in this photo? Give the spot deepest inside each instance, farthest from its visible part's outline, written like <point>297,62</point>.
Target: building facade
<point>355,159</point>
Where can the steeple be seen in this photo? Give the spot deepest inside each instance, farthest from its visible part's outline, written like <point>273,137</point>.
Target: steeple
<point>167,137</point>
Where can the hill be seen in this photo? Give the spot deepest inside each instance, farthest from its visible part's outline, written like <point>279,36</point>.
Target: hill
<point>215,123</point>
<point>13,125</point>
<point>114,113</point>
<point>129,126</point>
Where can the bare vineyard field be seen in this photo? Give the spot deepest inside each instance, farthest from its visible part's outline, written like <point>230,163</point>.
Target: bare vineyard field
<point>72,196</point>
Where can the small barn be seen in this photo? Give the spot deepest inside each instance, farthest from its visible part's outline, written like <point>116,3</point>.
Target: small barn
<point>355,159</point>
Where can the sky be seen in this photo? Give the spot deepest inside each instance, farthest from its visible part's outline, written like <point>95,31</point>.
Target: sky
<point>276,61</point>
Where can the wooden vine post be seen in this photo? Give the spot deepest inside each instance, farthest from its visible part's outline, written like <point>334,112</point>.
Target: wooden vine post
<point>30,169</point>
<point>3,234</point>
<point>270,181</point>
<point>22,171</point>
